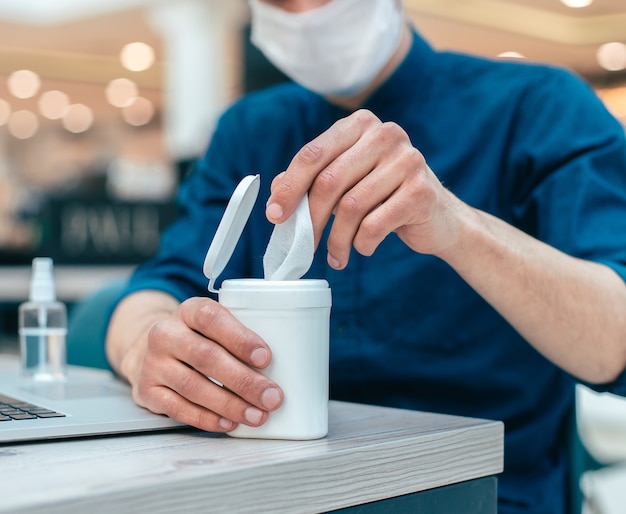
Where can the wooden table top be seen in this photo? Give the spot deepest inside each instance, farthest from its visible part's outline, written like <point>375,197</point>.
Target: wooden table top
<point>370,453</point>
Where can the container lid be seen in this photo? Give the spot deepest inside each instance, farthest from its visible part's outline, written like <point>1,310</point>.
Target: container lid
<point>261,294</point>
<point>230,228</point>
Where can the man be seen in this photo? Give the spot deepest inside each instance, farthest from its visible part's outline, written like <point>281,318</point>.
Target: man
<point>470,218</point>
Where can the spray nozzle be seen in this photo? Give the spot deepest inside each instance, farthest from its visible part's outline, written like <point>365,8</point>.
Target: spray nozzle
<point>42,281</point>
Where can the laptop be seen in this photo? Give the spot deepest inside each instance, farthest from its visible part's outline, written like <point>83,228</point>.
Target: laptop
<point>90,402</point>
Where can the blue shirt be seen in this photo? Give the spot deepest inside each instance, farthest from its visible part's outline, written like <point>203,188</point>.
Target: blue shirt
<point>529,144</point>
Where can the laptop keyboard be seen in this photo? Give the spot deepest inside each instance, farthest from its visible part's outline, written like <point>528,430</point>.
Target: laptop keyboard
<point>14,409</point>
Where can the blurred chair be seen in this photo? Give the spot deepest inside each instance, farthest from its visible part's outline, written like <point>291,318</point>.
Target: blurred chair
<point>601,453</point>
<point>580,462</point>
<point>604,490</point>
<point>87,325</point>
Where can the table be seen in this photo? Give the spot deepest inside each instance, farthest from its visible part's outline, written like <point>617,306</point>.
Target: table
<point>402,461</point>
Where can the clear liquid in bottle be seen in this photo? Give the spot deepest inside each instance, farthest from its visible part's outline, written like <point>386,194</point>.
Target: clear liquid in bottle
<point>43,327</point>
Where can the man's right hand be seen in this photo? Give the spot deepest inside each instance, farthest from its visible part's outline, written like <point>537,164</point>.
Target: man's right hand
<point>167,350</point>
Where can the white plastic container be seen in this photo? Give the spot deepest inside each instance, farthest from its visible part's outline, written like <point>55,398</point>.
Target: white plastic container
<point>293,318</point>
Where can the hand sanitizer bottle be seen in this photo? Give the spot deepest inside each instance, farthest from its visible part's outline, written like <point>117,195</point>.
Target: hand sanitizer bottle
<point>43,327</point>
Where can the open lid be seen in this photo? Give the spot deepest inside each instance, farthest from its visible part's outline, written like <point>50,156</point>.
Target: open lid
<point>230,228</point>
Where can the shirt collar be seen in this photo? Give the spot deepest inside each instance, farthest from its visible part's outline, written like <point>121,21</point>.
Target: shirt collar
<point>411,78</point>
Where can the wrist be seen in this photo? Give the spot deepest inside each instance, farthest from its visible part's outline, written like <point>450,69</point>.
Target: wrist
<point>465,233</point>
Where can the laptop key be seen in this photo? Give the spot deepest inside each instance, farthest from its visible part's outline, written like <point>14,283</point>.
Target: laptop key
<point>13,409</point>
<point>51,415</point>
<point>23,415</point>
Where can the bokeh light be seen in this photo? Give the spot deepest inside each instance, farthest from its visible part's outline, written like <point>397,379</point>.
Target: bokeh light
<point>612,56</point>
<point>137,56</point>
<point>577,4</point>
<point>139,113</point>
<point>121,92</point>
<point>511,55</point>
<point>78,118</point>
<point>24,83</point>
<point>53,104</point>
<point>23,124</point>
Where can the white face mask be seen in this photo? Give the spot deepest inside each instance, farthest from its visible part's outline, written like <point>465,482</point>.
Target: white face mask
<point>335,50</point>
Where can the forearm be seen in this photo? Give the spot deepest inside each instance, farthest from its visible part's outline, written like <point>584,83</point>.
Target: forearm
<point>572,311</point>
<point>130,324</point>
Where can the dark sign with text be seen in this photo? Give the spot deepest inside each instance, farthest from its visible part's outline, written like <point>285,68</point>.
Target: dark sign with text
<point>99,232</point>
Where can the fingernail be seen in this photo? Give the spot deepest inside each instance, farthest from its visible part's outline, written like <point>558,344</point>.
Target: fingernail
<point>259,357</point>
<point>334,263</point>
<point>253,415</point>
<point>274,211</point>
<point>226,424</point>
<point>271,398</point>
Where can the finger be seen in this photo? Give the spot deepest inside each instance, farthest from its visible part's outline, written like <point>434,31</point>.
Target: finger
<point>214,321</point>
<point>314,157</point>
<point>197,400</point>
<point>276,181</point>
<point>388,151</point>
<point>168,402</point>
<point>210,359</point>
<point>356,221</point>
<point>339,176</point>
<point>195,387</point>
<point>411,211</point>
<point>331,192</point>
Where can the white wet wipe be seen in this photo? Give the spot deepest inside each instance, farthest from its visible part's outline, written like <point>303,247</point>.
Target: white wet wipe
<point>289,253</point>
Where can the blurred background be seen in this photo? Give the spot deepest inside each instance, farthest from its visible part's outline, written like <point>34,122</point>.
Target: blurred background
<point>104,105</point>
